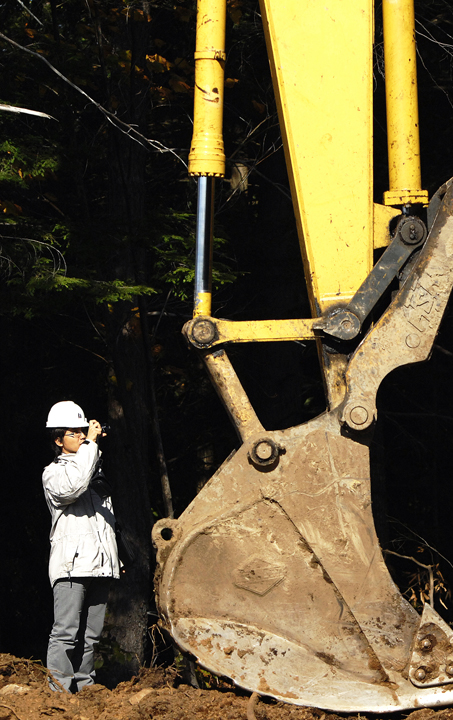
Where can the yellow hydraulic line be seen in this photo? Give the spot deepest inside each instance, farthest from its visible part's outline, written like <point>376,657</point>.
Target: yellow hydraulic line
<point>402,104</point>
<point>207,155</point>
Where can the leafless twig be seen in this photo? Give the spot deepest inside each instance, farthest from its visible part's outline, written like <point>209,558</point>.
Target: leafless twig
<point>425,542</point>
<point>56,255</point>
<point>425,567</point>
<point>29,12</point>
<point>124,127</point>
<point>443,350</point>
<point>86,350</point>
<point>26,111</point>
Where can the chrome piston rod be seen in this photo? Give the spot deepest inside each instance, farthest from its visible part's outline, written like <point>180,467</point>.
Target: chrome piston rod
<point>203,252</point>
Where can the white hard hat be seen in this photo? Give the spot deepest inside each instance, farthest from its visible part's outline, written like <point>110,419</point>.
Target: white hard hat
<point>66,414</point>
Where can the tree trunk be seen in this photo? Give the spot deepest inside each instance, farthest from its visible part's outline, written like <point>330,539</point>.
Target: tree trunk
<point>128,396</point>
<point>128,467</point>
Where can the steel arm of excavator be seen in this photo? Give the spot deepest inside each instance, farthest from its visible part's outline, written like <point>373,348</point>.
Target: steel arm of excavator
<point>273,576</point>
<point>344,323</point>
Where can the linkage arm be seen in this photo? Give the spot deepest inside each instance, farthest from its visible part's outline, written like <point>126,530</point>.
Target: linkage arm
<point>346,322</point>
<point>405,333</point>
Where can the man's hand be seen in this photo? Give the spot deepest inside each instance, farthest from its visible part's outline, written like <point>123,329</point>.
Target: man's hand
<point>94,430</point>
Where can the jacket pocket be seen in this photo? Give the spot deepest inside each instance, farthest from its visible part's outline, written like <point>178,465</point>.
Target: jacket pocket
<point>64,552</point>
<point>88,557</point>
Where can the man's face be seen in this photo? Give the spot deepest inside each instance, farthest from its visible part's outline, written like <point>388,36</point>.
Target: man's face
<point>71,440</point>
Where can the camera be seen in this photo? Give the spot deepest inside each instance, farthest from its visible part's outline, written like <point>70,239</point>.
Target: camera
<point>105,427</point>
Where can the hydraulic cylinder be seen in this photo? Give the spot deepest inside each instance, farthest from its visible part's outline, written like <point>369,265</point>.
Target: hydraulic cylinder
<point>402,104</point>
<point>207,157</point>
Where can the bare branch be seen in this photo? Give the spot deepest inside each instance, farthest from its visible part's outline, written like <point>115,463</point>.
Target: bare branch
<point>429,36</point>
<point>124,127</point>
<point>29,12</point>
<point>100,357</point>
<point>443,350</point>
<point>434,81</point>
<point>425,567</point>
<point>425,542</point>
<point>25,111</point>
<point>57,255</point>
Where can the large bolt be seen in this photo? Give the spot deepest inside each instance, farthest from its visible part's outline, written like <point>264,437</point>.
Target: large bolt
<point>449,668</point>
<point>426,644</point>
<point>346,325</point>
<point>203,332</point>
<point>359,415</point>
<point>420,674</point>
<point>264,450</point>
<point>412,231</point>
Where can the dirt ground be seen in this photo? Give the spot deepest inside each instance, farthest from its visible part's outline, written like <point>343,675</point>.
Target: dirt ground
<point>154,693</point>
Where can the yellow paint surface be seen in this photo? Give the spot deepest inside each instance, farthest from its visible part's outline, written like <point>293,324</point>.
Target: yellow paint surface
<point>206,152</point>
<point>321,61</point>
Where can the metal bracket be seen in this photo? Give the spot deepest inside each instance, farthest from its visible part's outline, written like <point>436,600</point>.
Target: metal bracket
<point>346,323</point>
<point>405,333</point>
<point>204,332</point>
<point>432,657</point>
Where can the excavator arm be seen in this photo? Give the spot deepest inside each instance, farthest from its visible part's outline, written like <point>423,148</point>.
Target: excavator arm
<point>273,576</point>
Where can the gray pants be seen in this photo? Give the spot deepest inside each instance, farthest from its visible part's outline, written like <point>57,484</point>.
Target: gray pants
<point>79,610</point>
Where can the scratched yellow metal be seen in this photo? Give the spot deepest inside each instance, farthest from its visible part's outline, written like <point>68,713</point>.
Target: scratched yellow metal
<point>207,155</point>
<point>402,104</point>
<point>232,394</point>
<point>382,218</point>
<point>265,330</point>
<point>228,331</point>
<point>321,61</point>
<point>202,304</point>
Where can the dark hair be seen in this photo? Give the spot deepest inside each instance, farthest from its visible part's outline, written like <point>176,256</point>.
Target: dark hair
<point>56,434</point>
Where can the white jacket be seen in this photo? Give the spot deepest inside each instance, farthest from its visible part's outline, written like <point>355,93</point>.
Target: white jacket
<point>82,537</point>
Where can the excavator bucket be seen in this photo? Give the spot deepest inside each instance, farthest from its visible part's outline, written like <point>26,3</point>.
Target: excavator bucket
<point>273,576</point>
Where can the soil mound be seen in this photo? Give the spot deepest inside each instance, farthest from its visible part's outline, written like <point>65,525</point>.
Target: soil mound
<point>153,693</point>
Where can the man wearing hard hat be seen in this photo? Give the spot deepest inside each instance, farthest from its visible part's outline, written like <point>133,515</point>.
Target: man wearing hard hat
<point>83,551</point>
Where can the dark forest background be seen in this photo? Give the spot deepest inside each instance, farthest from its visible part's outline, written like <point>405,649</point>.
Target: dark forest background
<point>97,256</point>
